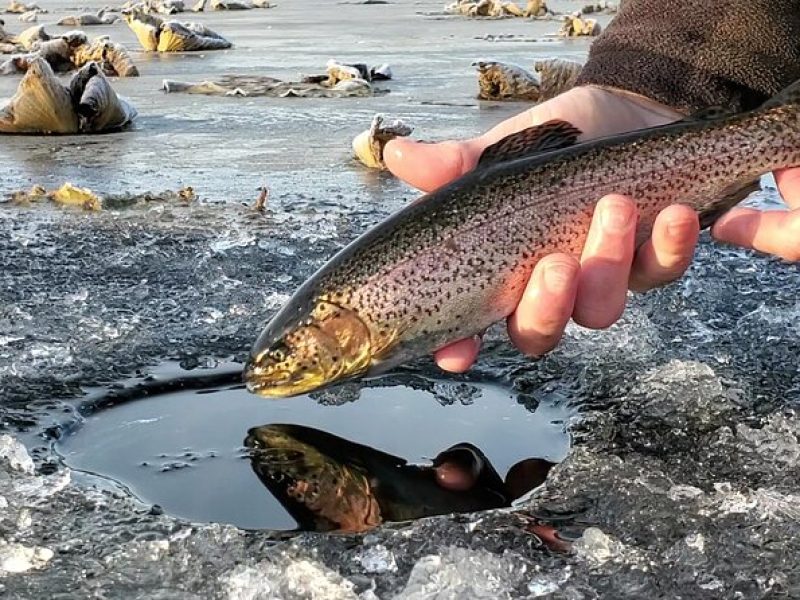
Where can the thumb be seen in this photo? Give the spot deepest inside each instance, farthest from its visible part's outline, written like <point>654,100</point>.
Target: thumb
<point>430,166</point>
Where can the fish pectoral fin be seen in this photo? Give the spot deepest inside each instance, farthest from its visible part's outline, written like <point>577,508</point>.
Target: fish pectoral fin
<point>552,135</point>
<point>730,197</point>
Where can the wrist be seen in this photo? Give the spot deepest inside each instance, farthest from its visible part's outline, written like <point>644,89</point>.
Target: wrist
<point>600,111</point>
<point>596,111</point>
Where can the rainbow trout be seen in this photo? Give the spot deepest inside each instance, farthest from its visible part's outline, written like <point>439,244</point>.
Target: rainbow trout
<point>457,260</point>
<point>328,483</point>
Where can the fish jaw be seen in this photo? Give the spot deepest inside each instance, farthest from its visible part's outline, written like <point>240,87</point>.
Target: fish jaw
<point>296,355</point>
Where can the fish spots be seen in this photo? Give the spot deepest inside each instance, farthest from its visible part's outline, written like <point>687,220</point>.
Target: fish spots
<point>451,245</point>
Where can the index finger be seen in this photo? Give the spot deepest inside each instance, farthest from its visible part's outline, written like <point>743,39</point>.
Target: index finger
<point>788,181</point>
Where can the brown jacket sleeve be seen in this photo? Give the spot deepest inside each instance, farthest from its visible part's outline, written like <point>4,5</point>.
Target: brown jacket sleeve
<point>692,54</point>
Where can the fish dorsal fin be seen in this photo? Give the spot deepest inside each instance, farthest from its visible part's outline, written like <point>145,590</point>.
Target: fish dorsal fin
<point>552,135</point>
<point>710,113</point>
<point>789,95</point>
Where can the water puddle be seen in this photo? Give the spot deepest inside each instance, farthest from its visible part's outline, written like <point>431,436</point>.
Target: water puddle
<point>402,448</point>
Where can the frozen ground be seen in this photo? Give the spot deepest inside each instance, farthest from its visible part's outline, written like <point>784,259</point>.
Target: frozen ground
<point>683,478</point>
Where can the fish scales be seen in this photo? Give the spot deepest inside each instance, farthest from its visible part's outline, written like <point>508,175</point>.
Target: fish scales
<point>457,260</point>
<point>507,223</point>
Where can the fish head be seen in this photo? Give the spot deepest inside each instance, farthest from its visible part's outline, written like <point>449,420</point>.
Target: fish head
<point>296,354</point>
<point>319,491</point>
<point>280,454</point>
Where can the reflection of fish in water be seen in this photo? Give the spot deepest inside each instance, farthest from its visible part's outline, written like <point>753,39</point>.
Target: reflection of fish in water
<point>457,260</point>
<point>328,483</point>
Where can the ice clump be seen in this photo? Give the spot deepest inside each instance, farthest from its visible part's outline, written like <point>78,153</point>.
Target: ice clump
<point>15,454</point>
<point>597,546</point>
<point>459,573</point>
<point>17,558</point>
<point>377,559</point>
<point>545,585</point>
<point>288,579</point>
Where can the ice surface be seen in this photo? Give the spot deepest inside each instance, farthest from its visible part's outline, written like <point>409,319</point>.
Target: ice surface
<point>686,455</point>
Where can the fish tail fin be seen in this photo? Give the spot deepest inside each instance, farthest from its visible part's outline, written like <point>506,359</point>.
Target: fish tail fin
<point>789,96</point>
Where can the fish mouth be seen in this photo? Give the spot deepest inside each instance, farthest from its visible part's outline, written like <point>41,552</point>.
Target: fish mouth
<point>271,383</point>
<point>331,344</point>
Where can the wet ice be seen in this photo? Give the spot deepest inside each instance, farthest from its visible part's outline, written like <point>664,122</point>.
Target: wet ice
<point>686,453</point>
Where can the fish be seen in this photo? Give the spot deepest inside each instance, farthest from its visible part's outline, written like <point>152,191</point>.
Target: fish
<point>328,483</point>
<point>457,260</point>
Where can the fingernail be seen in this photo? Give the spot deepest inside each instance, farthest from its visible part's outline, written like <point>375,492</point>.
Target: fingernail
<point>558,278</point>
<point>617,216</point>
<point>394,148</point>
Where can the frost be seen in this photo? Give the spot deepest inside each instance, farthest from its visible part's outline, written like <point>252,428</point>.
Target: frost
<point>40,488</point>
<point>548,584</point>
<point>597,546</point>
<point>731,501</point>
<point>696,541</point>
<point>684,492</point>
<point>290,580</point>
<point>151,551</point>
<point>709,583</point>
<point>459,573</point>
<point>776,441</point>
<point>542,586</point>
<point>24,519</point>
<point>377,559</point>
<point>228,241</point>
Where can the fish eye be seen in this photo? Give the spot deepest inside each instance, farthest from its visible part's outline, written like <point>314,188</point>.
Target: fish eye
<point>279,350</point>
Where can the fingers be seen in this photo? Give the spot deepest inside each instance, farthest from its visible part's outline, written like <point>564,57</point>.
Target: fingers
<point>773,232</point>
<point>669,251</point>
<point>606,263</point>
<point>458,356</point>
<point>788,181</point>
<point>430,166</point>
<point>538,323</point>
<point>592,292</point>
<point>453,476</point>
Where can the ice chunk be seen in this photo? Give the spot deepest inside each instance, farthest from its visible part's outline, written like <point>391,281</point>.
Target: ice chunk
<point>460,573</point>
<point>15,454</point>
<point>288,579</point>
<point>544,585</point>
<point>16,558</point>
<point>377,559</point>
<point>597,546</point>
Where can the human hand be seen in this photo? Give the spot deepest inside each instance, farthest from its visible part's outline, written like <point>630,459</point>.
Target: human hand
<point>772,231</point>
<point>592,291</point>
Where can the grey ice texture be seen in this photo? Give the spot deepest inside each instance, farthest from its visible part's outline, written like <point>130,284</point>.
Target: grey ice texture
<point>683,478</point>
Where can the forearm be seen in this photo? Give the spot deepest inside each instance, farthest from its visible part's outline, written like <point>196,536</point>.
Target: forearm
<point>698,53</point>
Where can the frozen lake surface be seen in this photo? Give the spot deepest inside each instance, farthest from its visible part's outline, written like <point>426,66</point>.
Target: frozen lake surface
<point>682,480</point>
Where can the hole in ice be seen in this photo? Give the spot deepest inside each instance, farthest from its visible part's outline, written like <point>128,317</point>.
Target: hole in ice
<point>406,447</point>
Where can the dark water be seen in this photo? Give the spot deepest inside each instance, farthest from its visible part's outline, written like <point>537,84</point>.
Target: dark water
<point>184,450</point>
